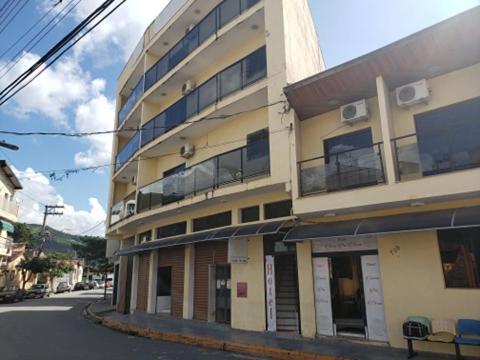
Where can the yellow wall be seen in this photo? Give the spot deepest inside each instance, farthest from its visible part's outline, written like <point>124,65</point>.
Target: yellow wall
<point>413,284</point>
<point>249,313</point>
<point>306,289</point>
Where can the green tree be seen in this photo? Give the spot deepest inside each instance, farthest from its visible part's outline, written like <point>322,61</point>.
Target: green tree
<point>92,250</point>
<point>49,266</point>
<point>22,234</point>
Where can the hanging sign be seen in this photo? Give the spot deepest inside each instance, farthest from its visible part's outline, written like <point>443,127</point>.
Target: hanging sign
<point>323,299</point>
<point>270,288</point>
<point>377,329</point>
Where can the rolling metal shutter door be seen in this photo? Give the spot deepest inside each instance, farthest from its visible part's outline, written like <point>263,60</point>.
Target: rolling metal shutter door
<point>175,257</point>
<point>142,290</point>
<point>206,254</point>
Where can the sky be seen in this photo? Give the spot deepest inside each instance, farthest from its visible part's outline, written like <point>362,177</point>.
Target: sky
<point>77,94</point>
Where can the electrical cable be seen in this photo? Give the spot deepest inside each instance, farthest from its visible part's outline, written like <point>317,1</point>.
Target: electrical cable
<point>3,6</point>
<point>7,11</point>
<point>20,54</point>
<point>2,29</point>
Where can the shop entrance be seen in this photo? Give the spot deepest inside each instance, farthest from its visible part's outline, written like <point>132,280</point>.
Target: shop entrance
<point>348,300</point>
<point>164,289</point>
<point>222,294</point>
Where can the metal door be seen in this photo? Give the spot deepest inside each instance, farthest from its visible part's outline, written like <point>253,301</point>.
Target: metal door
<point>222,294</point>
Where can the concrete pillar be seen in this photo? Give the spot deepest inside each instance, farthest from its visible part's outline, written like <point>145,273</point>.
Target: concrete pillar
<point>306,289</point>
<point>134,288</point>
<point>386,123</point>
<point>188,281</point>
<point>152,283</point>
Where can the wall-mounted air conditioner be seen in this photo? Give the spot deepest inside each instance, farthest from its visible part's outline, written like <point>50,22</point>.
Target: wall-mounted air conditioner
<point>412,94</point>
<point>187,151</point>
<point>354,112</point>
<point>188,87</point>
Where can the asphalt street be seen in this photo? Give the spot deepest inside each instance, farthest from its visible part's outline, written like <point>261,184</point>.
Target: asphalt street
<point>54,328</point>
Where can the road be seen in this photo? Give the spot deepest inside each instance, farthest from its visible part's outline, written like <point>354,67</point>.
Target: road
<point>54,328</point>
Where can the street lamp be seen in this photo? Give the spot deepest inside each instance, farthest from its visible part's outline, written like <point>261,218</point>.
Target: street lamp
<point>4,144</point>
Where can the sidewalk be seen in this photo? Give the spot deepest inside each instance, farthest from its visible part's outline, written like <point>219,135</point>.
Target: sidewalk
<point>263,344</point>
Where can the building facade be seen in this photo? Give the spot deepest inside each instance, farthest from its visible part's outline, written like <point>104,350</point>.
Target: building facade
<point>9,184</point>
<point>256,194</point>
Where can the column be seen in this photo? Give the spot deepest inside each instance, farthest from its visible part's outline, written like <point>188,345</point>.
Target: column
<point>134,288</point>
<point>152,283</point>
<point>386,123</point>
<point>188,281</point>
<point>306,289</point>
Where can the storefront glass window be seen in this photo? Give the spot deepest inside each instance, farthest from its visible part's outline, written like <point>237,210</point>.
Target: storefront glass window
<point>460,253</point>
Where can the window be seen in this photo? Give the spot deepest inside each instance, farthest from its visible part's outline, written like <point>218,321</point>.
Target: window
<point>250,214</point>
<point>231,80</point>
<point>212,221</point>
<point>172,230</point>
<point>246,4</point>
<point>148,132</point>
<point>151,77</point>
<point>160,125</point>
<point>207,93</point>
<point>278,209</point>
<point>255,66</point>
<point>257,144</point>
<point>441,149</point>
<point>145,237</point>
<point>460,254</point>
<point>164,281</point>
<point>228,10</point>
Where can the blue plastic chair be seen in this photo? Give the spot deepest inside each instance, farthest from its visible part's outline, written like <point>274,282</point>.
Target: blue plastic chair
<point>467,327</point>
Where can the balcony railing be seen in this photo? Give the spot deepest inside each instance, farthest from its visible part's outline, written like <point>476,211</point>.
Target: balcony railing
<point>132,100</point>
<point>123,209</point>
<point>232,167</point>
<point>225,12</point>
<point>416,158</point>
<point>239,75</point>
<point>9,206</point>
<point>128,151</point>
<point>343,170</point>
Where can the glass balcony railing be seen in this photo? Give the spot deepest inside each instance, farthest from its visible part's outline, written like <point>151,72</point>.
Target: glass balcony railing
<point>234,78</point>
<point>431,155</point>
<point>123,209</point>
<point>225,12</point>
<point>128,151</point>
<point>232,167</point>
<point>132,100</point>
<point>343,170</point>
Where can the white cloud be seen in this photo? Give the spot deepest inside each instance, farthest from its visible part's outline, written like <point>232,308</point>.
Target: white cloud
<point>37,186</point>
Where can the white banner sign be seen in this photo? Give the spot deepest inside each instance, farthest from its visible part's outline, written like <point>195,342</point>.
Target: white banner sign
<point>323,300</point>
<point>360,243</point>
<point>270,287</point>
<point>238,251</point>
<point>377,329</point>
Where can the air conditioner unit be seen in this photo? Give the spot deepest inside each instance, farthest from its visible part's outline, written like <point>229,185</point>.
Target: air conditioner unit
<point>188,87</point>
<point>187,151</point>
<point>134,180</point>
<point>130,208</point>
<point>412,94</point>
<point>354,112</point>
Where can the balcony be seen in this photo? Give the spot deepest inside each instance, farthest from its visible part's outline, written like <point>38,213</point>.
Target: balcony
<point>417,157</point>
<point>128,151</point>
<point>232,167</point>
<point>343,170</point>
<point>123,209</point>
<point>220,16</point>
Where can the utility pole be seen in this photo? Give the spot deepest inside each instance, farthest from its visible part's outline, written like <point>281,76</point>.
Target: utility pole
<point>54,210</point>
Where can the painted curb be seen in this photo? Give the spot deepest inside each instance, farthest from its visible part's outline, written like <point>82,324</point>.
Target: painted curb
<point>217,344</point>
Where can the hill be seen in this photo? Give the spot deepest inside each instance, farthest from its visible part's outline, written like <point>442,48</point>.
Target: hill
<point>58,241</point>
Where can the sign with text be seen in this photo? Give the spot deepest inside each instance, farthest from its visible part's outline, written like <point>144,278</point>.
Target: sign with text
<point>238,251</point>
<point>323,299</point>
<point>270,288</point>
<point>377,329</point>
<point>360,243</point>
<point>242,289</point>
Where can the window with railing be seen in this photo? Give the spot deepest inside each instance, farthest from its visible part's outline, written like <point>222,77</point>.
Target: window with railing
<point>447,139</point>
<point>342,170</point>
<point>239,75</point>
<point>131,101</point>
<point>231,167</point>
<point>128,151</point>
<point>224,13</point>
<point>123,209</point>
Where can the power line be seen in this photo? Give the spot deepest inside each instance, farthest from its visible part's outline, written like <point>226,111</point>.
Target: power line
<point>10,91</point>
<point>92,228</point>
<point>13,17</point>
<point>24,51</point>
<point>3,6</point>
<point>7,11</point>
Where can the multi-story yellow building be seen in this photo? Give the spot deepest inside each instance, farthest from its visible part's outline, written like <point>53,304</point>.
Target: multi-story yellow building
<point>327,206</point>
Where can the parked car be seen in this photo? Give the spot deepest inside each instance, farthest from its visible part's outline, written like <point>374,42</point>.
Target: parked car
<point>11,294</point>
<point>38,291</point>
<point>93,285</point>
<point>81,286</point>
<point>63,287</point>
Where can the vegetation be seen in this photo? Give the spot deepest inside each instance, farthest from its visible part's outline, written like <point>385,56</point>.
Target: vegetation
<point>92,250</point>
<point>22,234</point>
<point>49,266</point>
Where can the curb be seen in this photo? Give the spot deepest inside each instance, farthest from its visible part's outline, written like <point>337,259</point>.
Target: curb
<point>216,344</point>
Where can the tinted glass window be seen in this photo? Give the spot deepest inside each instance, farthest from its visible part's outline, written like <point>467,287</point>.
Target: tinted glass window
<point>160,125</point>
<point>278,209</point>
<point>144,237</point>
<point>191,40</point>
<point>147,132</point>
<point>212,221</point>
<point>347,142</point>
<point>192,104</point>
<point>231,80</point>
<point>207,93</point>
<point>442,149</point>
<point>172,230</point>
<point>151,77</point>
<point>255,66</point>
<point>164,281</point>
<point>250,214</point>
<point>257,144</point>
<point>460,253</point>
<point>177,54</point>
<point>207,27</point>
<point>245,4</point>
<point>228,10</point>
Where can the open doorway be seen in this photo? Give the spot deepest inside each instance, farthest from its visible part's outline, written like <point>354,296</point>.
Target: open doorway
<point>223,294</point>
<point>164,289</point>
<point>348,300</point>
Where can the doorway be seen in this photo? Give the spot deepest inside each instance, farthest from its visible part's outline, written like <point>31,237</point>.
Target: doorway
<point>348,300</point>
<point>164,289</point>
<point>222,294</point>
